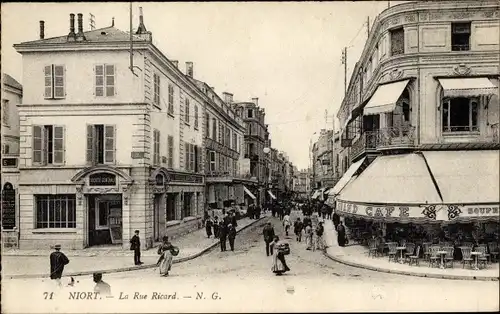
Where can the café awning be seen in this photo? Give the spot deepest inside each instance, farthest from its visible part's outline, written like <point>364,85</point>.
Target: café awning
<point>247,191</point>
<point>385,98</point>
<point>346,177</point>
<point>467,87</point>
<point>271,194</point>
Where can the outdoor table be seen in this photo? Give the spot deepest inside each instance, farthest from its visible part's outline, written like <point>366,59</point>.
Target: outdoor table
<point>401,249</point>
<point>476,256</point>
<point>442,253</point>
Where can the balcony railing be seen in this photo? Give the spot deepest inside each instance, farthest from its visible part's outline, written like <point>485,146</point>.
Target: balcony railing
<point>367,142</point>
<point>403,137</point>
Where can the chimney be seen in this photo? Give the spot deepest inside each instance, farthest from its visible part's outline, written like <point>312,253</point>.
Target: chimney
<point>175,62</point>
<point>113,22</point>
<point>189,69</point>
<point>80,35</point>
<point>255,100</point>
<point>71,35</point>
<point>42,29</point>
<point>228,97</point>
<point>141,29</point>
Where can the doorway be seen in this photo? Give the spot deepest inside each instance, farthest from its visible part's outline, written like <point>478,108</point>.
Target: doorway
<point>159,217</point>
<point>104,219</point>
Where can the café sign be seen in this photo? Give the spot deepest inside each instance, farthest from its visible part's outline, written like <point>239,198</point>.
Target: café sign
<point>473,211</point>
<point>102,179</point>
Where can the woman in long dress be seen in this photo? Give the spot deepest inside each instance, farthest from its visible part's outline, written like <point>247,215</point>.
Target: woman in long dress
<point>279,262</point>
<point>166,258</point>
<point>341,238</point>
<point>309,236</point>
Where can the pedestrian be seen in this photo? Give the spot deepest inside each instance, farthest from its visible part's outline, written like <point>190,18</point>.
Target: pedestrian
<point>309,236</point>
<point>279,263</point>
<point>167,252</point>
<point>216,227</point>
<point>57,262</point>
<point>286,223</point>
<point>320,244</point>
<point>231,234</point>
<point>135,245</point>
<point>336,220</point>
<point>297,229</point>
<point>341,238</point>
<point>101,287</point>
<point>268,237</point>
<point>222,236</point>
<point>307,221</point>
<point>324,211</point>
<point>233,220</point>
<point>208,227</point>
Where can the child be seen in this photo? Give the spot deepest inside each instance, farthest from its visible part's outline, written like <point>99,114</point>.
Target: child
<point>135,245</point>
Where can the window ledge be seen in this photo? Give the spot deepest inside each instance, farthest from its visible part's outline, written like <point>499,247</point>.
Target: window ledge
<point>462,133</point>
<point>173,223</point>
<point>55,230</point>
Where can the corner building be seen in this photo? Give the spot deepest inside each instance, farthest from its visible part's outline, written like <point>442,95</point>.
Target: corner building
<point>104,150</point>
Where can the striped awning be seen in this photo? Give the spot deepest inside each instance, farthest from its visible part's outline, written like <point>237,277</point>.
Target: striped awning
<point>467,87</point>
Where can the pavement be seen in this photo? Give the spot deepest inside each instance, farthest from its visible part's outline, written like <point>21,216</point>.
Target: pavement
<point>357,256</point>
<point>35,263</point>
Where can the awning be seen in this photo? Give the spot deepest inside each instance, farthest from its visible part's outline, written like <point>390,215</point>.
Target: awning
<point>271,194</point>
<point>466,177</point>
<point>346,177</point>
<point>316,194</point>
<point>466,87</point>
<point>397,179</point>
<point>385,97</point>
<point>248,192</point>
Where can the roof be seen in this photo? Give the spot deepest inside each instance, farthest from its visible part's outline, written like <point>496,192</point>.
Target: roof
<point>106,34</point>
<point>10,81</point>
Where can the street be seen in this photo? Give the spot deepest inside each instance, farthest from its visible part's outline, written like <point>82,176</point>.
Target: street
<point>242,281</point>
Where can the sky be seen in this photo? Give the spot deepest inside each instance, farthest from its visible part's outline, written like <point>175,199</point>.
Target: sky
<point>288,54</point>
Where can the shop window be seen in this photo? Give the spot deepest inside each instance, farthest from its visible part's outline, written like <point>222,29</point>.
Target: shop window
<point>171,198</point>
<point>48,145</point>
<point>102,215</point>
<point>101,144</point>
<point>460,36</point>
<point>397,41</point>
<point>460,115</point>
<point>55,211</point>
<point>186,207</point>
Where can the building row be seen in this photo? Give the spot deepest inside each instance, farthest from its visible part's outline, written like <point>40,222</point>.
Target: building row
<point>107,135</point>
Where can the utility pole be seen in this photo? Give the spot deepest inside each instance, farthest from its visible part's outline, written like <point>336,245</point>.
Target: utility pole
<point>367,26</point>
<point>92,22</point>
<point>334,160</point>
<point>344,62</point>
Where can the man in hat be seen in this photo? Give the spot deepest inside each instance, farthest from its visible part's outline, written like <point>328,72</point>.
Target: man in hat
<point>135,245</point>
<point>57,262</point>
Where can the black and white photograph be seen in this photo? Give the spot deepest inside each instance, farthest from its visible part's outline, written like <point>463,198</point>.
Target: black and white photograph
<point>261,156</point>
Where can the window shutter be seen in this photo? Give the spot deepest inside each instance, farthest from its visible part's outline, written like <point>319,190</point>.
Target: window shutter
<point>109,144</point>
<point>90,144</point>
<point>58,145</point>
<point>197,157</point>
<point>48,82</point>
<point>99,80</point>
<point>170,152</point>
<point>110,80</point>
<point>59,88</point>
<point>37,144</point>
<point>193,161</point>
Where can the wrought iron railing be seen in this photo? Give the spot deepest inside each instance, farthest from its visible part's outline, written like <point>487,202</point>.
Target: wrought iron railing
<point>367,141</point>
<point>461,128</point>
<point>396,137</point>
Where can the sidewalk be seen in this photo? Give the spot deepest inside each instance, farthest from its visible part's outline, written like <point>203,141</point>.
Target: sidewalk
<point>357,256</point>
<point>35,263</point>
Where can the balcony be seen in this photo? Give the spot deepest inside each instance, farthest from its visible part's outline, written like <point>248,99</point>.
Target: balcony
<point>367,143</point>
<point>396,138</point>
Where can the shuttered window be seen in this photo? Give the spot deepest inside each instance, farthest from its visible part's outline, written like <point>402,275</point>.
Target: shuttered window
<point>54,84</point>
<point>170,152</point>
<point>156,99</point>
<point>156,147</point>
<point>170,99</point>
<point>195,116</point>
<point>101,144</point>
<point>104,80</point>
<point>186,111</point>
<point>48,145</point>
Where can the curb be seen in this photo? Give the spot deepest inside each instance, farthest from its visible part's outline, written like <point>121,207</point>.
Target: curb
<point>132,268</point>
<point>408,273</point>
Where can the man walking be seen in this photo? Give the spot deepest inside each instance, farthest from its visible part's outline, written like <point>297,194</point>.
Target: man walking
<point>287,223</point>
<point>268,237</point>
<point>297,228</point>
<point>57,262</point>
<point>231,234</point>
<point>222,236</point>
<point>135,245</point>
<point>320,244</point>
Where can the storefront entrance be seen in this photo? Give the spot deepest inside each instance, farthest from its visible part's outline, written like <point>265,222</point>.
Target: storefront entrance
<point>159,217</point>
<point>104,219</point>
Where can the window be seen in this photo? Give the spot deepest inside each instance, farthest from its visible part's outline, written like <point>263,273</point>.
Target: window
<point>212,161</point>
<point>5,149</point>
<point>397,41</point>
<point>156,147</point>
<point>104,80</point>
<point>48,145</point>
<point>460,36</point>
<point>214,129</point>
<point>186,114</point>
<point>156,99</point>
<point>221,132</point>
<point>196,117</point>
<point>54,82</point>
<point>186,208</point>
<point>460,114</point>
<point>171,198</point>
<point>191,154</point>
<point>55,211</point>
<point>228,137</point>
<point>170,99</point>
<point>250,113</point>
<point>170,152</point>
<point>250,130</point>
<point>207,125</point>
<point>102,214</point>
<point>235,142</point>
<point>101,144</point>
<point>406,111</point>
<point>5,112</point>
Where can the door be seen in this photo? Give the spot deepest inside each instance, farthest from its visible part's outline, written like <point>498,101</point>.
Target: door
<point>157,217</point>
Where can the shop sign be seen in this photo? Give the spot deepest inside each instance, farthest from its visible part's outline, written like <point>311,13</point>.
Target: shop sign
<point>402,212</point>
<point>9,162</point>
<point>8,206</point>
<point>455,211</point>
<point>102,179</point>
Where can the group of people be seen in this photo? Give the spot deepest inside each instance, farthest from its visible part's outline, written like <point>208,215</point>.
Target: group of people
<point>224,230</point>
<point>314,238</point>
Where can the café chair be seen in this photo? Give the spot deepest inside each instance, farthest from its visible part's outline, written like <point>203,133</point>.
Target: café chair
<point>414,258</point>
<point>466,256</point>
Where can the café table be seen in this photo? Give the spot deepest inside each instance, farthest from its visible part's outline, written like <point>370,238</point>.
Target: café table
<point>401,249</point>
<point>476,257</point>
<point>442,253</point>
